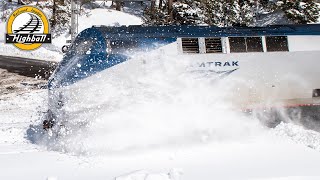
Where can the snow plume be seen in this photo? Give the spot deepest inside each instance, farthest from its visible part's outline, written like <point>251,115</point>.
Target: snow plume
<point>152,102</point>
<point>149,105</point>
<point>299,135</point>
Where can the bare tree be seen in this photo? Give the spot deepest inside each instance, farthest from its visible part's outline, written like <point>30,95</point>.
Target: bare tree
<point>61,2</point>
<point>20,2</point>
<point>54,13</point>
<point>153,3</point>
<point>118,5</point>
<point>170,4</point>
<point>160,4</point>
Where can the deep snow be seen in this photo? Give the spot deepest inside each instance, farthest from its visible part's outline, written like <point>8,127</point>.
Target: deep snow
<point>176,134</point>
<point>157,126</point>
<point>286,152</point>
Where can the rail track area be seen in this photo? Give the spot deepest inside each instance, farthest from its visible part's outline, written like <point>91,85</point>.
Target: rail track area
<point>27,67</point>
<point>20,75</point>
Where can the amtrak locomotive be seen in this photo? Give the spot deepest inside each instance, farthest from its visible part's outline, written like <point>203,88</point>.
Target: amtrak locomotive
<point>273,65</point>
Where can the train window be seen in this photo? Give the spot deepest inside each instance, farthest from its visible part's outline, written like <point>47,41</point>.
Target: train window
<point>237,44</point>
<point>277,43</point>
<point>190,45</point>
<point>213,45</point>
<point>254,44</point>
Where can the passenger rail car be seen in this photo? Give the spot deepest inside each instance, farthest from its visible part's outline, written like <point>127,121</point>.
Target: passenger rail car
<point>273,64</point>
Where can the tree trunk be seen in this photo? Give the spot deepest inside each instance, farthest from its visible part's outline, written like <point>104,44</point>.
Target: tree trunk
<point>54,9</point>
<point>118,5</point>
<point>170,3</point>
<point>153,3</point>
<point>160,4</point>
<point>61,2</point>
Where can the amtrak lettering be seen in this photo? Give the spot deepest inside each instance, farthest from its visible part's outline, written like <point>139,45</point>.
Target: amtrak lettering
<point>219,64</point>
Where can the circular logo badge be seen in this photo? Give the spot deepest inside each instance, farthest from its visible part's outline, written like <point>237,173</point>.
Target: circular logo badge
<point>28,28</point>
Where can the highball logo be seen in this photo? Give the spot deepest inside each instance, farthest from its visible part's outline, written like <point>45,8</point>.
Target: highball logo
<point>28,28</point>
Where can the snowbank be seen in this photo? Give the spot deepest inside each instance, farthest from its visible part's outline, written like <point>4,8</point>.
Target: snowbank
<point>42,53</point>
<point>158,125</point>
<point>52,52</point>
<point>164,127</point>
<point>100,17</point>
<point>108,17</point>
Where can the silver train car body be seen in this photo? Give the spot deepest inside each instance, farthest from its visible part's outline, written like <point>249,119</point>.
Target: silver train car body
<point>259,66</point>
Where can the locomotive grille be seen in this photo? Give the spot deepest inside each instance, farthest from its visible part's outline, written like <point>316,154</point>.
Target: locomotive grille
<point>190,45</point>
<point>213,45</point>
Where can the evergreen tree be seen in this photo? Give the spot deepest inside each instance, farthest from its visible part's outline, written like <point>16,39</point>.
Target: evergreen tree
<point>248,12</point>
<point>60,15</point>
<point>300,11</point>
<point>215,12</point>
<point>187,12</point>
<point>3,13</point>
<point>183,12</point>
<point>222,13</point>
<point>311,11</point>
<point>233,13</point>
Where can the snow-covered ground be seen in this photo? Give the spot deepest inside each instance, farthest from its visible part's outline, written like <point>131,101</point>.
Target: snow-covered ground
<point>157,126</point>
<point>45,52</point>
<point>232,151</point>
<point>14,83</point>
<point>100,17</point>
<point>179,137</point>
<point>52,52</point>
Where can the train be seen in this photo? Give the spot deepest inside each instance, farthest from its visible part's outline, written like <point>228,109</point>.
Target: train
<point>267,66</point>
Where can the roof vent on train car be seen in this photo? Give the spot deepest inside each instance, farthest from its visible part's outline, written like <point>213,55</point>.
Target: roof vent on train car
<point>213,45</point>
<point>190,45</point>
